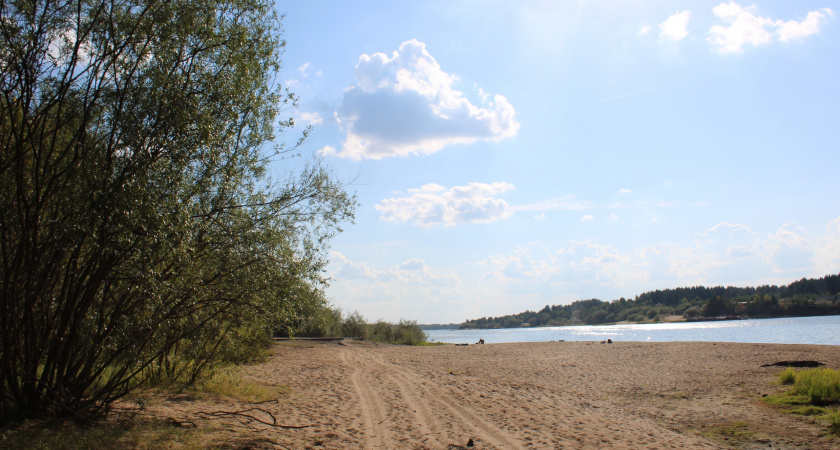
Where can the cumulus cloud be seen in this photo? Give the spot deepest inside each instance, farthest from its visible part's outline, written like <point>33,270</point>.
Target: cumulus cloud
<point>625,191</point>
<point>827,253</point>
<point>435,205</point>
<point>676,26</point>
<point>725,254</point>
<point>405,104</point>
<point>587,218</point>
<point>744,27</point>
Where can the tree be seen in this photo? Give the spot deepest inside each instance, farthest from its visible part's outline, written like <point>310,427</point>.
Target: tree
<point>140,233</point>
<point>717,306</point>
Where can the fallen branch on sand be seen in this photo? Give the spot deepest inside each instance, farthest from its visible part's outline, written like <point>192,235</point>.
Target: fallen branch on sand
<point>244,414</point>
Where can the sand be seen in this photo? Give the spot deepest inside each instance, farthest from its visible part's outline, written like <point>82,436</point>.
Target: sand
<point>353,394</point>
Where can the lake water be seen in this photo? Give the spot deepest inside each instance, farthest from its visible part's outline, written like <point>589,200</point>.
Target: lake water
<point>823,330</point>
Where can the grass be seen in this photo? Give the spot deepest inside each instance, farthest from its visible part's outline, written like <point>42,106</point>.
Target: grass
<point>811,393</point>
<point>139,434</point>
<point>228,382</point>
<point>104,436</point>
<point>834,422</point>
<point>737,430</point>
<point>821,386</point>
<point>788,376</point>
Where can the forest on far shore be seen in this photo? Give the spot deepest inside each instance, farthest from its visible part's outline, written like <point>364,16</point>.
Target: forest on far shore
<point>806,297</point>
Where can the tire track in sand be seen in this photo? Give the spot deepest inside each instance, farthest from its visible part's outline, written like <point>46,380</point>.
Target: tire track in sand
<point>371,404</point>
<point>419,399</point>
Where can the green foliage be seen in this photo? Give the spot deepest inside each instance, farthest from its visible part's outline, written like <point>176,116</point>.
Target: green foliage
<point>821,385</point>
<point>717,306</point>
<point>788,376</point>
<point>142,237</point>
<point>807,410</point>
<point>834,422</point>
<point>330,322</point>
<point>801,298</point>
<point>692,312</point>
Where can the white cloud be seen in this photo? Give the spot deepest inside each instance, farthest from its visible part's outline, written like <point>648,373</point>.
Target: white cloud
<point>326,150</point>
<point>434,205</point>
<point>587,218</point>
<point>310,118</point>
<point>726,254</point>
<point>303,68</point>
<point>625,191</point>
<point>811,25</point>
<point>533,275</point>
<point>743,27</point>
<point>645,29</point>
<point>405,104</point>
<point>412,272</point>
<point>676,26</point>
<point>827,252</point>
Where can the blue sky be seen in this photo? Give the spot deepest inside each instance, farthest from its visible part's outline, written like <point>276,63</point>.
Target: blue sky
<point>510,155</point>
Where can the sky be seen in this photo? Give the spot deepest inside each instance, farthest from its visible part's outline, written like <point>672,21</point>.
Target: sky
<point>512,155</point>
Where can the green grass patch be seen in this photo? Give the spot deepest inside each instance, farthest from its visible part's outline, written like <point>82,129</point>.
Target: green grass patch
<point>429,344</point>
<point>812,391</point>
<point>735,430</point>
<point>834,422</point>
<point>807,410</point>
<point>228,382</point>
<point>786,399</point>
<point>788,376</point>
<point>822,386</point>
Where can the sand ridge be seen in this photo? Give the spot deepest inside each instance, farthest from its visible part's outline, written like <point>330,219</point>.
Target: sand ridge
<point>356,394</point>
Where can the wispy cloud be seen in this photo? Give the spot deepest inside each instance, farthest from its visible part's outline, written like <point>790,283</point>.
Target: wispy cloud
<point>412,272</point>
<point>406,104</point>
<point>435,205</point>
<point>564,203</point>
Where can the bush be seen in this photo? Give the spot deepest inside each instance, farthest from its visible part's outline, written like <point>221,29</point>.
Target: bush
<point>691,312</point>
<point>329,322</point>
<point>354,326</point>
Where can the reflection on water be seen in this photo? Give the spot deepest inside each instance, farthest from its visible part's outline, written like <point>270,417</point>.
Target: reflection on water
<point>790,330</point>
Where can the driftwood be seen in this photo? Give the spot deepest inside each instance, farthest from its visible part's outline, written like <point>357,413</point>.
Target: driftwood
<point>795,364</point>
<point>250,417</point>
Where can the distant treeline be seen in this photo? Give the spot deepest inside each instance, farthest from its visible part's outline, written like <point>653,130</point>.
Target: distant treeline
<point>806,297</point>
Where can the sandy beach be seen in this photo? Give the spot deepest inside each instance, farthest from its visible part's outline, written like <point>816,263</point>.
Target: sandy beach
<point>354,394</point>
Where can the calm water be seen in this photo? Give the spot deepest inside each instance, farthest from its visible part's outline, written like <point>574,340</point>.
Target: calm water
<point>794,330</point>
